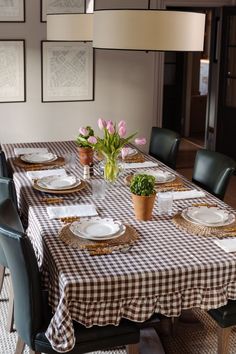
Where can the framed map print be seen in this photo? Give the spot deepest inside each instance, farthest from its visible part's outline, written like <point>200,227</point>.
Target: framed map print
<point>61,7</point>
<point>12,71</point>
<point>12,10</point>
<point>67,71</point>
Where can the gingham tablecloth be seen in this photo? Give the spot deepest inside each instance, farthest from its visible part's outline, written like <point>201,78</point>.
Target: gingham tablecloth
<point>166,271</point>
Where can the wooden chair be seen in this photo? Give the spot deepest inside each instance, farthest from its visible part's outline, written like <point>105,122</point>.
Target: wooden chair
<point>164,146</point>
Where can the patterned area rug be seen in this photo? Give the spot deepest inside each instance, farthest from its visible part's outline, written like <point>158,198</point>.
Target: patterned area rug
<point>188,339</point>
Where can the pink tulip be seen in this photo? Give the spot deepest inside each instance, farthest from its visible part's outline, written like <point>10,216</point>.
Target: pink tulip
<point>109,121</point>
<point>110,128</point>
<point>122,131</point>
<point>124,152</point>
<point>83,131</point>
<point>102,123</point>
<point>140,141</point>
<point>122,123</point>
<point>92,140</point>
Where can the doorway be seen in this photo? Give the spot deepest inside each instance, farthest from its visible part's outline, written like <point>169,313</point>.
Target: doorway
<point>185,93</point>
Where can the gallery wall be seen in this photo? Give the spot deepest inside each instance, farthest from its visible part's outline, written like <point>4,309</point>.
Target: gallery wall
<point>124,88</point>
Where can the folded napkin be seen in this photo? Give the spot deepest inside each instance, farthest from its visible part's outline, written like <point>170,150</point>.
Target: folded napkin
<point>145,164</point>
<point>71,210</point>
<point>188,194</point>
<point>227,244</point>
<point>45,173</point>
<point>22,151</point>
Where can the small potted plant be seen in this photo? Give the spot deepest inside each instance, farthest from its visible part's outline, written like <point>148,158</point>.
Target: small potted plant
<point>84,147</point>
<point>142,187</point>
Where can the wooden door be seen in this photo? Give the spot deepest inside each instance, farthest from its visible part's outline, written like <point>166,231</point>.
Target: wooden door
<point>226,121</point>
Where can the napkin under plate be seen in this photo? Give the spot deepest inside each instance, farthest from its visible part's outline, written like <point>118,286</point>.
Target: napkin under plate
<point>23,151</point>
<point>227,244</point>
<point>45,173</point>
<point>188,194</point>
<point>81,210</point>
<point>127,165</point>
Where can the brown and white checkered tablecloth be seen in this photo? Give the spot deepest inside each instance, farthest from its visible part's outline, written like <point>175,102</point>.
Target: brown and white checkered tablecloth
<point>166,271</point>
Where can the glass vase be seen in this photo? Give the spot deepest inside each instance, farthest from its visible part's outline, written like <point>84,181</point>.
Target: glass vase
<point>112,169</point>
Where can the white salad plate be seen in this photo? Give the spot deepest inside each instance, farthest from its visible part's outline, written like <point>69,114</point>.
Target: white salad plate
<point>101,229</point>
<point>39,157</point>
<point>58,182</point>
<point>132,152</point>
<point>161,176</point>
<point>206,216</point>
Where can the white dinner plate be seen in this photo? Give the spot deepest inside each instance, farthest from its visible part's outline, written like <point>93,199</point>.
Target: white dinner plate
<point>101,229</point>
<point>58,182</point>
<point>208,216</point>
<point>161,176</point>
<point>39,157</point>
<point>131,152</point>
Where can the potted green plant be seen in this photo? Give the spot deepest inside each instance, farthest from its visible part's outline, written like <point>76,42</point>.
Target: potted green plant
<point>142,187</point>
<point>84,148</point>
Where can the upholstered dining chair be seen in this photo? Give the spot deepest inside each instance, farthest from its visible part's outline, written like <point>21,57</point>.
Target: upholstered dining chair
<point>7,191</point>
<point>164,146</point>
<point>225,317</point>
<point>212,171</point>
<point>3,165</point>
<point>31,311</point>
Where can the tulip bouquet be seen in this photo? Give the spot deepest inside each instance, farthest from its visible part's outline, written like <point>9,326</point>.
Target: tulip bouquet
<point>112,144</point>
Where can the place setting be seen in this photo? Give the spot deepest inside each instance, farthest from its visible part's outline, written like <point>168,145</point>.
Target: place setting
<point>206,220</point>
<point>99,236</point>
<point>59,184</point>
<point>164,180</point>
<point>38,160</point>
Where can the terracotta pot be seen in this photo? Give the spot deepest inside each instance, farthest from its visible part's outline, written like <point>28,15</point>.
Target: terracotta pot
<point>85,155</point>
<point>143,206</point>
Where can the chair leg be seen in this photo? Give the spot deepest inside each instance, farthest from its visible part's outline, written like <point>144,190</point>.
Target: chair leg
<point>2,272</point>
<point>10,314</point>
<point>20,346</point>
<point>223,340</point>
<point>132,348</point>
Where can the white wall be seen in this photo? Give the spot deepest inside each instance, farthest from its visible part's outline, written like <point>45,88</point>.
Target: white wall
<point>123,90</point>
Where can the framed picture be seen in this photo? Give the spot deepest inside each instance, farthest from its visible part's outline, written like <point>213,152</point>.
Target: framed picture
<point>12,11</point>
<point>12,71</point>
<point>67,71</point>
<point>61,6</point>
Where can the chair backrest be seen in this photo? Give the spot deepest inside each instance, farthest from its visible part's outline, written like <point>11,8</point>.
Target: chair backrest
<point>212,171</point>
<point>164,146</point>
<point>3,165</point>
<point>7,191</point>
<point>28,308</point>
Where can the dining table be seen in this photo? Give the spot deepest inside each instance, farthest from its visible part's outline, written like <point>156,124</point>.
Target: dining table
<point>166,270</point>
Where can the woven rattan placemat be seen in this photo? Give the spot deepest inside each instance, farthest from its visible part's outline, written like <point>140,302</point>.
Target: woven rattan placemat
<point>60,161</point>
<point>201,230</point>
<point>98,247</point>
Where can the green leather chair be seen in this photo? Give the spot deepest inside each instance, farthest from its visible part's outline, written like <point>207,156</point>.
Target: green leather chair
<point>164,146</point>
<point>212,172</point>
<point>7,191</point>
<point>225,317</point>
<point>3,165</point>
<point>31,311</point>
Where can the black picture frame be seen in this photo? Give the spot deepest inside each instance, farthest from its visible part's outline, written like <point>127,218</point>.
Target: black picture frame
<point>63,11</point>
<point>18,77</point>
<point>49,94</point>
<point>4,18</point>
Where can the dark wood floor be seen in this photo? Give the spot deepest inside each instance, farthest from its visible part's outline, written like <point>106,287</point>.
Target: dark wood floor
<point>185,164</point>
